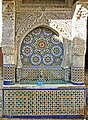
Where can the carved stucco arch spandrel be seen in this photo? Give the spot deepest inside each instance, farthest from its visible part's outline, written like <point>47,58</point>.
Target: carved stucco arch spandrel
<point>32,21</point>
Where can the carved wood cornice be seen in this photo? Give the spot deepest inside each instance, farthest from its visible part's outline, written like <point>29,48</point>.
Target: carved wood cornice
<point>36,6</point>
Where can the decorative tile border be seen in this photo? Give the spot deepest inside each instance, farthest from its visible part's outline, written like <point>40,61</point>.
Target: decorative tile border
<point>44,103</point>
<point>46,75</point>
<point>77,75</point>
<point>9,73</point>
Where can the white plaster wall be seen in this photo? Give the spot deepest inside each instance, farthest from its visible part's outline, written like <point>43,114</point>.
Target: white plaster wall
<point>79,34</point>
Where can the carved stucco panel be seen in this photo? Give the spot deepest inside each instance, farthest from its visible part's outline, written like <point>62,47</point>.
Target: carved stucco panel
<point>34,20</point>
<point>80,29</point>
<point>8,59</point>
<point>78,41</point>
<point>78,61</point>
<point>8,23</point>
<point>67,53</point>
<point>79,46</point>
<point>78,50</point>
<point>79,22</point>
<point>39,18</point>
<point>20,18</point>
<point>8,50</point>
<point>63,26</point>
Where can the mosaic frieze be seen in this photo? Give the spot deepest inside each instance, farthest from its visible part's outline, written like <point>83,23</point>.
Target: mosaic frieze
<point>42,47</point>
<point>43,102</point>
<point>77,75</point>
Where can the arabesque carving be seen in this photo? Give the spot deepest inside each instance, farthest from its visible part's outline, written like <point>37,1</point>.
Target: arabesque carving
<point>8,50</point>
<point>36,19</point>
<point>79,47</point>
<point>8,23</point>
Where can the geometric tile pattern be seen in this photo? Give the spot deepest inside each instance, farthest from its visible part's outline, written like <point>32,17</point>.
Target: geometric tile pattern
<point>9,72</point>
<point>27,102</point>
<point>67,74</point>
<point>17,74</point>
<point>46,75</point>
<point>42,47</point>
<point>77,74</point>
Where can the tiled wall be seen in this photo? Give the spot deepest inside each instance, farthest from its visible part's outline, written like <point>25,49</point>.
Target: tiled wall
<point>49,103</point>
<point>0,93</point>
